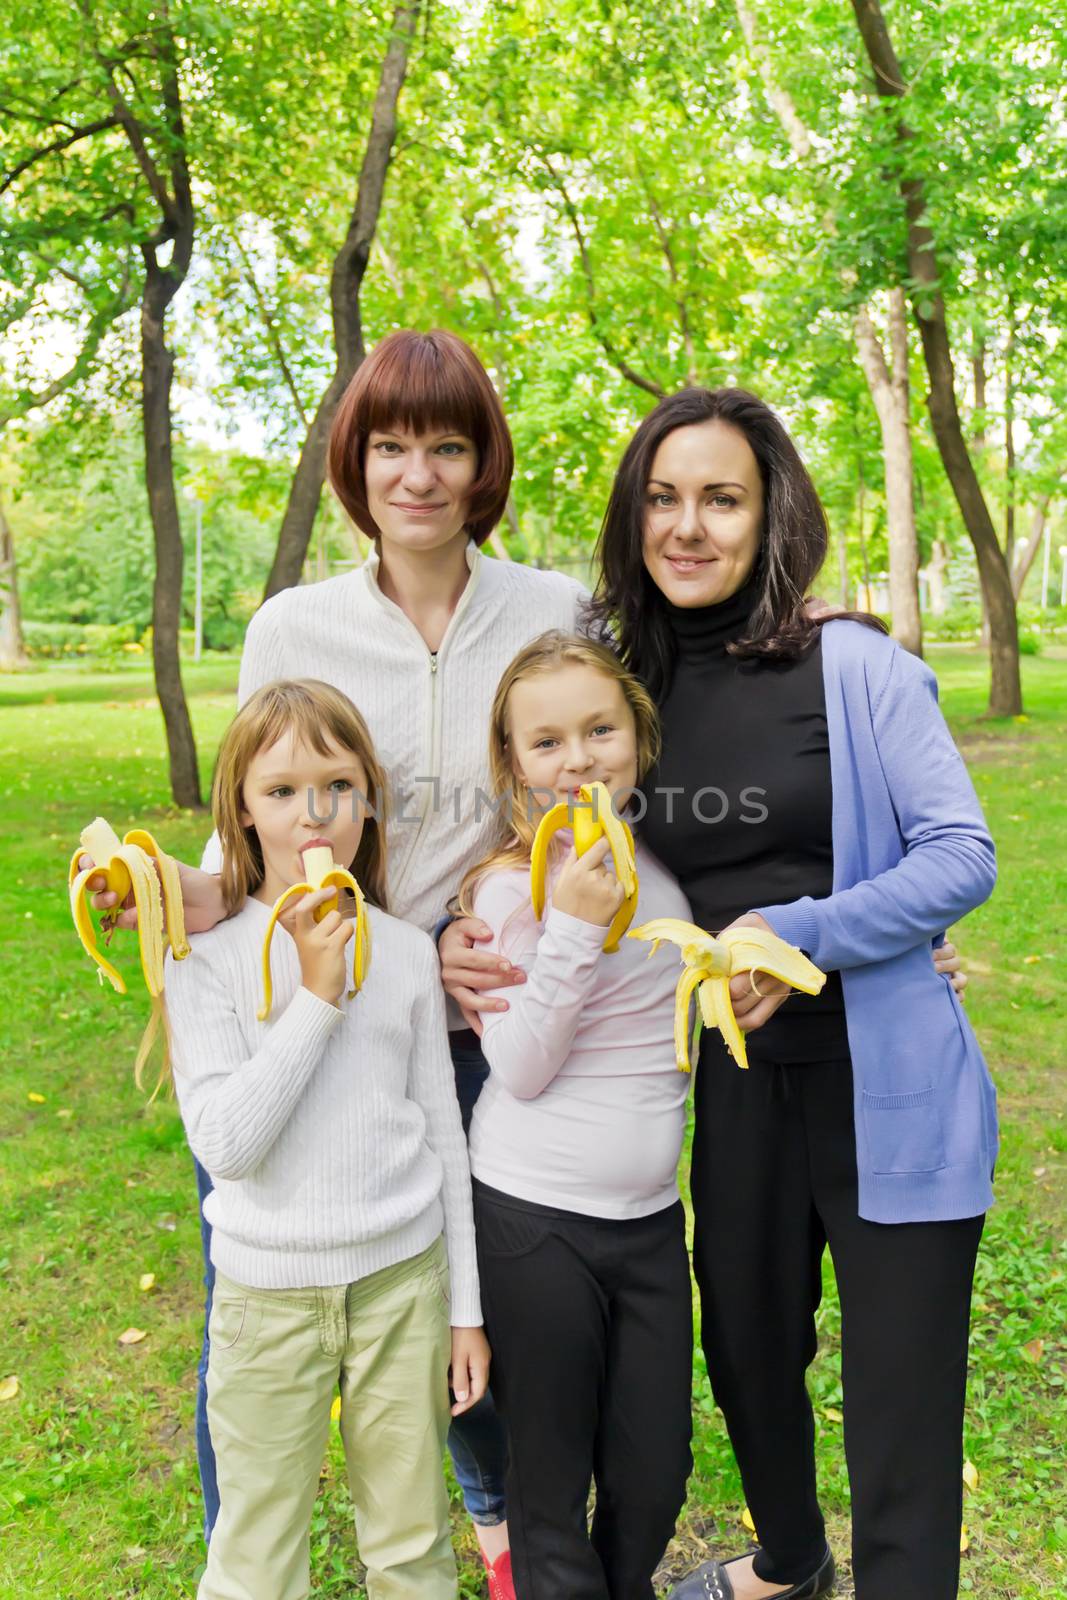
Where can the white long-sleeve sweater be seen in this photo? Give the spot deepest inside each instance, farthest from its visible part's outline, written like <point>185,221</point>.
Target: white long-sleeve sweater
<point>428,715</point>
<point>584,1107</point>
<point>332,1133</point>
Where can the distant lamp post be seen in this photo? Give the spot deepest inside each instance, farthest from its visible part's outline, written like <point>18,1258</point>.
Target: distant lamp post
<point>198,602</point>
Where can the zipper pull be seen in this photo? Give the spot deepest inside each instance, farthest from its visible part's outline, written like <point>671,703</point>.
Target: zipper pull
<point>433,663</point>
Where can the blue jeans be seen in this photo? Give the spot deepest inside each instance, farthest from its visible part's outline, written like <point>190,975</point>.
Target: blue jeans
<point>476,1440</point>
<point>205,1452</point>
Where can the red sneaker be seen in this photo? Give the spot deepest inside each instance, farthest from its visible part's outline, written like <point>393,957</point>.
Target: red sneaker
<point>501,1586</point>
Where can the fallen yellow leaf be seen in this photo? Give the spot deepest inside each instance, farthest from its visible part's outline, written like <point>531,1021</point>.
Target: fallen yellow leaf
<point>970,1474</point>
<point>64,1112</point>
<point>132,1336</point>
<point>146,1281</point>
<point>1028,961</point>
<point>34,1098</point>
<point>746,1520</point>
<point>9,1387</point>
<point>335,1409</point>
<point>965,1542</point>
<point>1034,1350</point>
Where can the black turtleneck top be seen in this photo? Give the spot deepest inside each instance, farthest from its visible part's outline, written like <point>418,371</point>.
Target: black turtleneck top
<point>739,804</point>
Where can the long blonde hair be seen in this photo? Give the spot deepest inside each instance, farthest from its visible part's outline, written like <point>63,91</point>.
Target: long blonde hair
<point>545,654</point>
<point>314,712</point>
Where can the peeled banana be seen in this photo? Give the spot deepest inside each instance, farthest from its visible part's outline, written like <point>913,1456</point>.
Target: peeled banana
<point>708,966</point>
<point>322,873</point>
<point>592,818</point>
<point>126,864</point>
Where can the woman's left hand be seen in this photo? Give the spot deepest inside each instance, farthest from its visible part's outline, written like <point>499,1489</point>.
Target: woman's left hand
<point>947,962</point>
<point>469,1371</point>
<point>752,1010</point>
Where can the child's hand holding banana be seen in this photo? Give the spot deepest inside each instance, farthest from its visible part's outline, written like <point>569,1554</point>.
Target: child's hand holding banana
<point>586,888</point>
<point>320,945</point>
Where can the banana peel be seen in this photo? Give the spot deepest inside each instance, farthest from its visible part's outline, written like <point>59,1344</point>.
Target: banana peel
<point>322,873</point>
<point>592,818</point>
<point>708,964</point>
<point>130,863</point>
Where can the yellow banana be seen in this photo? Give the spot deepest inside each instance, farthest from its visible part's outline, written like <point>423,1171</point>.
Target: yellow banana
<point>592,818</point>
<point>708,966</point>
<point>322,873</point>
<point>127,864</point>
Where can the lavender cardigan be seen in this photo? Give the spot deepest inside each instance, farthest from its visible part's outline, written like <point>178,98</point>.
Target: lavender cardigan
<point>912,855</point>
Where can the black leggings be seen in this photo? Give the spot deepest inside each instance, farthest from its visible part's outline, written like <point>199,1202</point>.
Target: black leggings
<point>774,1182</point>
<point>590,1324</point>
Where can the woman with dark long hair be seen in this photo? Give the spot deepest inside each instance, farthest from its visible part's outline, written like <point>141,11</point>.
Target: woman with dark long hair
<point>808,784</point>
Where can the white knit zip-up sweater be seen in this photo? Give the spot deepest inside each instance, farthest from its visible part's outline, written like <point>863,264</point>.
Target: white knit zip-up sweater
<point>428,716</point>
<point>332,1133</point>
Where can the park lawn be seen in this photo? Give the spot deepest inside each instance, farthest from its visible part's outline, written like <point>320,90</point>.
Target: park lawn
<point>98,1484</point>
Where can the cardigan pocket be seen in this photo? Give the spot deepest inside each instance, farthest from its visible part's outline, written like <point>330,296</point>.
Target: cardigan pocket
<point>903,1132</point>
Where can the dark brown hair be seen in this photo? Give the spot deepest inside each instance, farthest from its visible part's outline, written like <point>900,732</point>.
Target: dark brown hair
<point>792,548</point>
<point>422,381</point>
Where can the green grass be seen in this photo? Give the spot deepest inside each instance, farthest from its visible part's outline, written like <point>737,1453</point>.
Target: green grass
<point>98,1485</point>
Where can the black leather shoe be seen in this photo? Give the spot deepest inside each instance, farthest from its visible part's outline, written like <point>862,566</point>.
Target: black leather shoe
<point>712,1582</point>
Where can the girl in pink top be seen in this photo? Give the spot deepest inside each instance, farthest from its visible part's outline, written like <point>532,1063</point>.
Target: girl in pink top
<point>574,1150</point>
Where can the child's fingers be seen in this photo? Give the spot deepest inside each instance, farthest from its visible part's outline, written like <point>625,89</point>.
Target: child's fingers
<point>596,855</point>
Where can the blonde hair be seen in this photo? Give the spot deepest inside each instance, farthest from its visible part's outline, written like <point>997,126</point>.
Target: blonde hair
<point>315,713</point>
<point>547,653</point>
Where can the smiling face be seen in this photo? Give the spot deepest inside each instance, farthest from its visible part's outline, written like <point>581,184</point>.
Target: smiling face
<point>703,514</point>
<point>568,726</point>
<point>418,486</point>
<point>295,797</point>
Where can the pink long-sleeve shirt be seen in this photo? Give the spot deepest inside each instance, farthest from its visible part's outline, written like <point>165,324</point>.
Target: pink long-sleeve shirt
<point>584,1107</point>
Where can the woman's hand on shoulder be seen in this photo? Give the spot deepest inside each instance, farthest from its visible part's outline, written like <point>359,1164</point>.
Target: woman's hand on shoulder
<point>586,888</point>
<point>755,996</point>
<point>466,971</point>
<point>202,899</point>
<point>468,1374</point>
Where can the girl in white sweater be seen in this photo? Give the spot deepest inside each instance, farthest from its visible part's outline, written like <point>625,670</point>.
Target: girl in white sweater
<point>574,1149</point>
<point>341,1204</point>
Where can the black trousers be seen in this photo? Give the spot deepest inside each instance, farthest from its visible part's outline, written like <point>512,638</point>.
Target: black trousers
<point>774,1182</point>
<point>591,1327</point>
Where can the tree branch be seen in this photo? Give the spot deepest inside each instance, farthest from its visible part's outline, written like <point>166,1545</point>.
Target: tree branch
<point>84,132</point>
<point>599,333</point>
<point>273,337</point>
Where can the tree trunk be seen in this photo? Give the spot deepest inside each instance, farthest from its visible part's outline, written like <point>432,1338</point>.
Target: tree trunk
<point>935,574</point>
<point>157,365</point>
<point>1009,439</point>
<point>1028,553</point>
<point>1005,690</point>
<point>346,282</point>
<point>12,646</point>
<point>892,401</point>
<point>979,374</point>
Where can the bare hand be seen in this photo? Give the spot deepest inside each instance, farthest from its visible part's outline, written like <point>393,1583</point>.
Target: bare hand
<point>468,1374</point>
<point>753,1009</point>
<point>320,945</point>
<point>466,971</point>
<point>202,900</point>
<point>947,962</point>
<point>586,888</point>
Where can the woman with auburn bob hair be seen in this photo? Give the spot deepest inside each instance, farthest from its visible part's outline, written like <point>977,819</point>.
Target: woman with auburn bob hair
<point>418,637</point>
